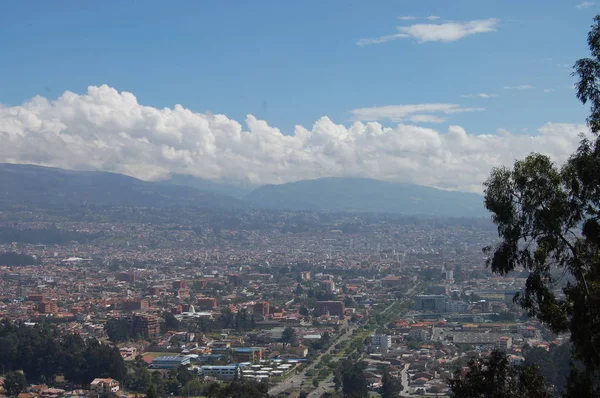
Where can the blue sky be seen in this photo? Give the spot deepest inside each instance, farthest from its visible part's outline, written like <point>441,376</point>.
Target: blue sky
<point>500,64</point>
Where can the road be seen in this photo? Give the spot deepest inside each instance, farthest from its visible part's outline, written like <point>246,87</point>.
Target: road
<point>296,380</point>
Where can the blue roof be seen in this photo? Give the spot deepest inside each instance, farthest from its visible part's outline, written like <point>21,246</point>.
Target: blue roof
<point>247,349</point>
<point>170,358</point>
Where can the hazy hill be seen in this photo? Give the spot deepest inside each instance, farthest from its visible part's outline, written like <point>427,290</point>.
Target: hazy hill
<point>366,195</point>
<point>47,186</point>
<point>222,188</point>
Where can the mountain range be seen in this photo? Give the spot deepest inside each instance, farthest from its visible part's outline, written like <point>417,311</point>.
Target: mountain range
<point>29,185</point>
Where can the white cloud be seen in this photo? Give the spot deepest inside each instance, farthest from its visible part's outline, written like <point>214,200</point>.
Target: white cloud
<point>479,95</point>
<point>104,129</point>
<point>548,90</point>
<point>442,32</point>
<point>585,4</point>
<point>520,87</point>
<point>414,113</point>
<point>432,17</point>
<point>407,18</point>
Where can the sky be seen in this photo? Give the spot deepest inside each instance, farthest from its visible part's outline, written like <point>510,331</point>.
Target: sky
<point>434,92</point>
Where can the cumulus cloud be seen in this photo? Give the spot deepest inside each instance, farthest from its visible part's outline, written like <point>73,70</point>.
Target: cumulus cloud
<point>406,18</point>
<point>440,32</point>
<point>583,5</point>
<point>432,17</point>
<point>104,129</point>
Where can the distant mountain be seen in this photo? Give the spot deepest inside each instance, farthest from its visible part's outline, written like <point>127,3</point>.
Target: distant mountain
<point>362,195</point>
<point>51,187</point>
<point>237,191</point>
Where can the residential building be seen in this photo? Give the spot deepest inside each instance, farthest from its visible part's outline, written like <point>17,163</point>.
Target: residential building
<point>146,325</point>
<point>104,387</point>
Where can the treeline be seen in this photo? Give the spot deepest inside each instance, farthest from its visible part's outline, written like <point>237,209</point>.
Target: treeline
<point>42,355</point>
<point>182,381</point>
<point>12,258</point>
<point>44,236</point>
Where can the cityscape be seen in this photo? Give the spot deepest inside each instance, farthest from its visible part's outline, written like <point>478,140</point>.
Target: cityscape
<point>300,199</point>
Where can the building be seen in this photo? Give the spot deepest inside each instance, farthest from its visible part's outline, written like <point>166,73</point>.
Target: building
<point>104,387</point>
<point>180,285</point>
<point>391,281</point>
<point>335,308</point>
<point>134,305</point>
<point>125,277</point>
<point>305,276</point>
<point>430,302</point>
<point>146,326</point>
<point>261,308</point>
<point>419,332</point>
<point>154,291</point>
<point>504,343</point>
<point>329,286</point>
<point>170,361</point>
<point>455,306</point>
<point>47,307</point>
<point>381,342</point>
<point>35,297</point>
<point>247,354</point>
<point>228,372</point>
<point>207,302</point>
<point>183,293</point>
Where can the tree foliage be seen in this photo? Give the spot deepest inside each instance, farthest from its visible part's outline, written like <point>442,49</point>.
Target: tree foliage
<point>495,377</point>
<point>14,383</point>
<point>391,386</point>
<point>41,355</point>
<point>548,219</point>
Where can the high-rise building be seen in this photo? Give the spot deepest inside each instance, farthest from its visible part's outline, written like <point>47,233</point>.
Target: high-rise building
<point>261,308</point>
<point>146,325</point>
<point>381,342</point>
<point>134,305</point>
<point>47,307</point>
<point>125,277</point>
<point>207,302</point>
<point>335,308</point>
<point>180,285</point>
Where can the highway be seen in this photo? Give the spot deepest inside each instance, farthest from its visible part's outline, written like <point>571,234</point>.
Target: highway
<point>296,380</point>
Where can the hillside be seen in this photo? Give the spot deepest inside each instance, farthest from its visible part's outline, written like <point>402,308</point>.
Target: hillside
<point>237,191</point>
<point>52,187</point>
<point>366,195</point>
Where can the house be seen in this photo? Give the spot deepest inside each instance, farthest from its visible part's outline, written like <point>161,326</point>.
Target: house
<point>102,387</point>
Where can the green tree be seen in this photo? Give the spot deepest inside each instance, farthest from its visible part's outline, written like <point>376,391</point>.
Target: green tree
<point>118,330</point>
<point>496,378</point>
<point>288,336</point>
<point>14,383</point>
<point>152,393</point>
<point>548,219</point>
<point>354,383</point>
<point>391,386</point>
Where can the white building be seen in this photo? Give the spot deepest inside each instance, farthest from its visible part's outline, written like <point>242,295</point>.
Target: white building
<point>227,372</point>
<point>504,343</point>
<point>104,387</point>
<point>381,342</point>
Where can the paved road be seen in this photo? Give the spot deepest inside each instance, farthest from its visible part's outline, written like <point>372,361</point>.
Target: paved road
<point>296,380</point>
